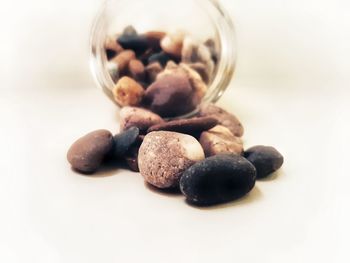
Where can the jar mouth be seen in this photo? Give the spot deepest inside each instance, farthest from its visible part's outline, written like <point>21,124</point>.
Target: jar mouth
<point>224,34</point>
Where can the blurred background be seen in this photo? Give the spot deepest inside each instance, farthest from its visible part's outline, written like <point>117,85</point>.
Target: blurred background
<point>291,90</point>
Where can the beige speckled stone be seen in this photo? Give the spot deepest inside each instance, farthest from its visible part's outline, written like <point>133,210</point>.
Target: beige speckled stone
<point>220,140</point>
<point>164,156</point>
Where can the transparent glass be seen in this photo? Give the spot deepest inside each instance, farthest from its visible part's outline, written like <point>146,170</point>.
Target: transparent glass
<point>202,19</point>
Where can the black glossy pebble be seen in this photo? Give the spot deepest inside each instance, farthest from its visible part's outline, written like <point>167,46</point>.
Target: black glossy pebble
<point>137,43</point>
<point>218,179</point>
<point>161,57</point>
<point>266,159</point>
<point>123,141</point>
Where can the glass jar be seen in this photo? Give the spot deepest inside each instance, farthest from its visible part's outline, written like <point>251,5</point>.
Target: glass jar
<point>202,19</point>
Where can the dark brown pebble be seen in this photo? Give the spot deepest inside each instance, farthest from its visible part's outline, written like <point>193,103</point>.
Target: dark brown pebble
<point>88,152</point>
<point>266,159</point>
<point>170,96</point>
<point>191,126</point>
<point>225,118</point>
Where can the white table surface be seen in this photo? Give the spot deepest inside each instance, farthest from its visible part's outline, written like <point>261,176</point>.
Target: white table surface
<point>291,90</point>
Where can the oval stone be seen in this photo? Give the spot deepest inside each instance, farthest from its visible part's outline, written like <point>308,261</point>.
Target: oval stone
<point>88,152</point>
<point>266,159</point>
<point>191,126</point>
<point>220,140</point>
<point>138,117</point>
<point>218,179</point>
<point>164,156</point>
<point>170,96</point>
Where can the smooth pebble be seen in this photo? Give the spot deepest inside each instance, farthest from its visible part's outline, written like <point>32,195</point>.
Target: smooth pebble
<point>218,179</point>
<point>220,140</point>
<point>87,153</point>
<point>266,159</point>
<point>138,117</point>
<point>164,156</point>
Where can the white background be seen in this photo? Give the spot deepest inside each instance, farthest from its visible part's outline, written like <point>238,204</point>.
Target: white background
<point>291,90</point>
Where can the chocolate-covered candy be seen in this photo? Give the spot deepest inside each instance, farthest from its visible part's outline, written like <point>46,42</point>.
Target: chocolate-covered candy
<point>225,118</point>
<point>137,43</point>
<point>164,156</point>
<point>127,92</point>
<point>266,159</point>
<point>136,70</point>
<point>123,59</point>
<point>191,126</point>
<point>160,57</point>
<point>218,179</point>
<point>138,117</point>
<point>88,152</point>
<point>152,71</point>
<point>220,140</point>
<point>124,141</point>
<point>170,96</point>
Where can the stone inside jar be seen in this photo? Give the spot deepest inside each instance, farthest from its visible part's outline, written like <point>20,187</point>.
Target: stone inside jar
<point>167,73</point>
